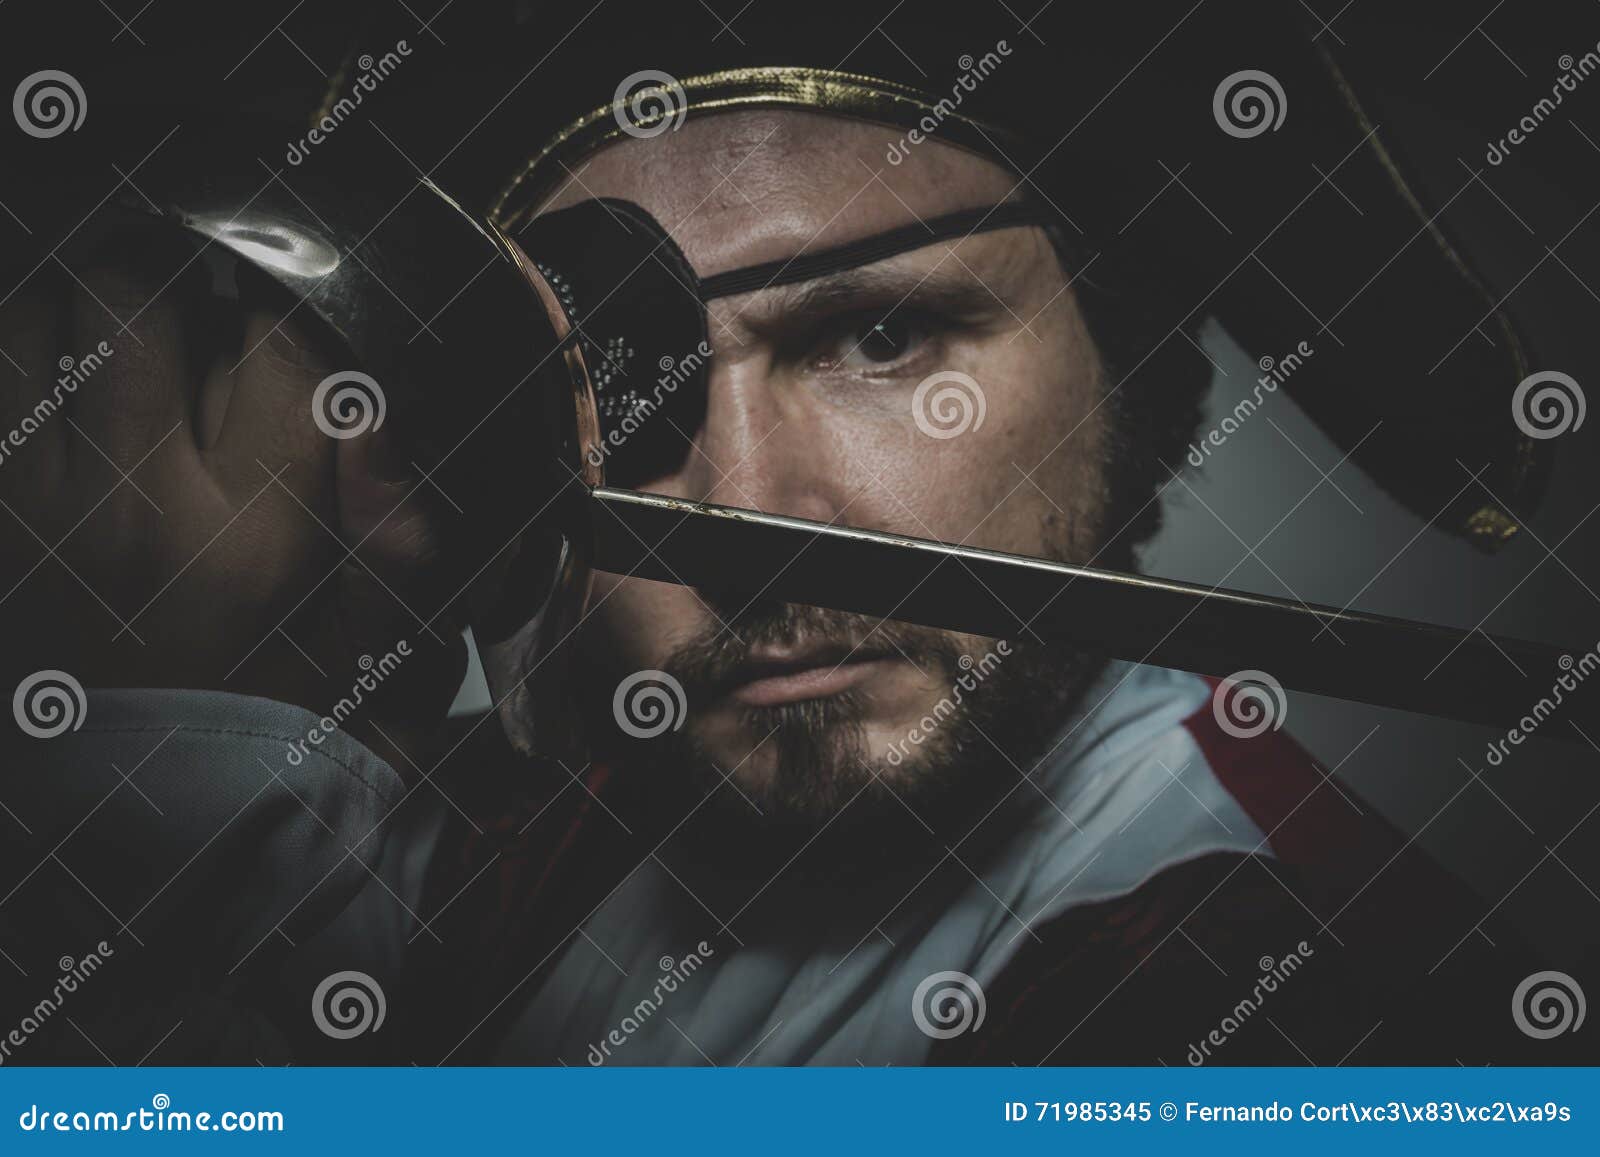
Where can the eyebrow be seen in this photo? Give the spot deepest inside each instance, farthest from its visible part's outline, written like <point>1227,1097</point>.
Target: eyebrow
<point>868,250</point>
<point>952,290</point>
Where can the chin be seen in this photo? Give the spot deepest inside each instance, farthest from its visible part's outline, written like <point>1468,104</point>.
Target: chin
<point>805,760</point>
<point>806,756</point>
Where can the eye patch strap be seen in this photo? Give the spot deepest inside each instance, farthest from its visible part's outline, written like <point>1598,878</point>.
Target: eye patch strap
<point>878,247</point>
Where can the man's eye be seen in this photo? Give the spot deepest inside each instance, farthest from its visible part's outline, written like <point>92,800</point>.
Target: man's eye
<point>884,341</point>
<point>870,343</point>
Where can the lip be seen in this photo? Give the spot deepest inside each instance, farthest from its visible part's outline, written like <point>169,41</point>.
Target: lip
<point>768,679</point>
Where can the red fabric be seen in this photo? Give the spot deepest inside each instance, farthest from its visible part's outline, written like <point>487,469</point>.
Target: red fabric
<point>516,898</point>
<point>1307,818</point>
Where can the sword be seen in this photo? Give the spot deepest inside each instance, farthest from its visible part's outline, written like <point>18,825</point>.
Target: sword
<point>1469,676</point>
<point>509,309</point>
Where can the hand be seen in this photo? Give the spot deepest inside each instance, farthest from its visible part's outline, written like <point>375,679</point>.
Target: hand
<point>171,514</point>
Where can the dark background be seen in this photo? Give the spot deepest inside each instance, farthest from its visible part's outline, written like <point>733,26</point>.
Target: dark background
<point>1524,834</point>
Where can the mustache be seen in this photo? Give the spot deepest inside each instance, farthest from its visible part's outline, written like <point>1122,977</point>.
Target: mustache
<point>718,657</point>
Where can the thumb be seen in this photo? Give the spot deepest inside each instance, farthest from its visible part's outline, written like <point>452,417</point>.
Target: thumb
<point>394,587</point>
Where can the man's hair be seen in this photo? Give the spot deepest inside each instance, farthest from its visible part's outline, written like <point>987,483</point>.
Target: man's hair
<point>1156,381</point>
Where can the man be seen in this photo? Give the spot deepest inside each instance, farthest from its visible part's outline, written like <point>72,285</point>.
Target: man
<point>859,872</point>
<point>854,841</point>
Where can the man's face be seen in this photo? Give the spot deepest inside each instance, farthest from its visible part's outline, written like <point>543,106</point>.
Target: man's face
<point>812,413</point>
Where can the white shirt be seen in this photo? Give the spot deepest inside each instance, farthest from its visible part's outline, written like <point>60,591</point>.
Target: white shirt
<point>1126,793</point>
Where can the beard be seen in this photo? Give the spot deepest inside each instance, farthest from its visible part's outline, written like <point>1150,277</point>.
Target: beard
<point>1001,706</point>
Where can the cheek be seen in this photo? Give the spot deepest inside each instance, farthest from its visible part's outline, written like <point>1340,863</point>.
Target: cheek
<point>1037,466</point>
<point>635,624</point>
<point>1029,479</point>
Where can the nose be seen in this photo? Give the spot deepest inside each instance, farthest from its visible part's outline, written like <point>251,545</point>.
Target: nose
<point>762,444</point>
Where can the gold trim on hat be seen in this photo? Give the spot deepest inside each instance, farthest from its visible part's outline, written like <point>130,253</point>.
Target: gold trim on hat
<point>1491,526</point>
<point>821,90</point>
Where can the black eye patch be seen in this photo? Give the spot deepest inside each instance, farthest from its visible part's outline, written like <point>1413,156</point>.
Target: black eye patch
<point>634,304</point>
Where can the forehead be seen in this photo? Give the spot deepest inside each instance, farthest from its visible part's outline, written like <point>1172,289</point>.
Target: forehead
<point>736,188</point>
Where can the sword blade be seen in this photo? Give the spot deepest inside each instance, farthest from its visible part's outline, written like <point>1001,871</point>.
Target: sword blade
<point>1463,675</point>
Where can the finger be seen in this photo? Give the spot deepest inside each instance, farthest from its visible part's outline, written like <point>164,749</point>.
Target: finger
<point>397,584</point>
<point>37,378</point>
<point>137,300</point>
<point>268,426</point>
<point>394,534</point>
